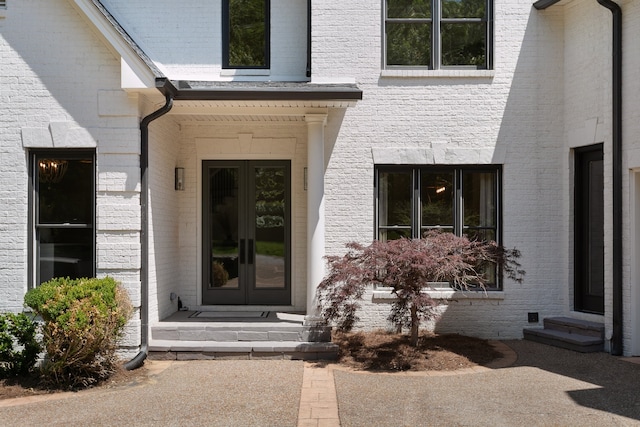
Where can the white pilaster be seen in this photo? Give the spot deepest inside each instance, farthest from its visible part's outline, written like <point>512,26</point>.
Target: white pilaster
<point>315,208</point>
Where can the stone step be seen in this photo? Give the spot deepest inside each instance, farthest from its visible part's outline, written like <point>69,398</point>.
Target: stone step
<point>195,350</point>
<point>239,332</point>
<point>190,335</point>
<point>575,326</point>
<point>571,341</point>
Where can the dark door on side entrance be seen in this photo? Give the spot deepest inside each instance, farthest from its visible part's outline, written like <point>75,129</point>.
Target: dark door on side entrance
<point>246,232</point>
<point>589,230</point>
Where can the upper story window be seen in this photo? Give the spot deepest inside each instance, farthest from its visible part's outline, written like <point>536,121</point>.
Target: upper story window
<point>436,34</point>
<point>245,33</point>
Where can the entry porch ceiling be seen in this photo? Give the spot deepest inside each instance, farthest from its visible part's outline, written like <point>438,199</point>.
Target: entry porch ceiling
<point>210,111</point>
<point>203,102</point>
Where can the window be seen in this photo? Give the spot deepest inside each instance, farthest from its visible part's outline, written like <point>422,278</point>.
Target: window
<point>63,212</point>
<point>245,33</point>
<point>436,34</point>
<point>412,200</point>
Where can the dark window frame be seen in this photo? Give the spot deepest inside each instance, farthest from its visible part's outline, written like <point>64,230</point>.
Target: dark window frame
<point>435,21</point>
<point>458,171</point>
<point>226,38</point>
<point>35,225</point>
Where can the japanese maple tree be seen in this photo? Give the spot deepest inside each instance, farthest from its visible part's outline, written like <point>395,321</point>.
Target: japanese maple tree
<point>409,267</point>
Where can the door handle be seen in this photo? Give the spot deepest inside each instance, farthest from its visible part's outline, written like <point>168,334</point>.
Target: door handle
<point>250,251</point>
<point>242,254</point>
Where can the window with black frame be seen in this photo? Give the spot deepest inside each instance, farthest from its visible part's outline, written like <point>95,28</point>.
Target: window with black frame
<point>63,205</point>
<point>436,34</point>
<point>245,33</point>
<point>464,200</point>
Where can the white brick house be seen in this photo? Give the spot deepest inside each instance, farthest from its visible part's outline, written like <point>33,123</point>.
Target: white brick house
<point>225,181</point>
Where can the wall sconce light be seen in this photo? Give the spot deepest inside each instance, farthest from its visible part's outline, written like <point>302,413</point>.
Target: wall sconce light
<point>180,179</point>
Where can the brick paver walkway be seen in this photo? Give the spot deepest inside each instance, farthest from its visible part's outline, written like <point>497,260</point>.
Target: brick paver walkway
<point>318,400</point>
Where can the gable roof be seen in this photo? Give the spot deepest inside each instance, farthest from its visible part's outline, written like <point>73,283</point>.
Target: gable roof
<point>138,70</point>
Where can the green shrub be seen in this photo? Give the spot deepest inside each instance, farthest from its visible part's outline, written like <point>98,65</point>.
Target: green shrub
<point>19,348</point>
<point>83,319</point>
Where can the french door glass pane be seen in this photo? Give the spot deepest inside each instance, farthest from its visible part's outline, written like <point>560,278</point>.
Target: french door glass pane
<point>270,217</point>
<point>394,204</point>
<point>595,215</point>
<point>224,227</point>
<point>437,199</point>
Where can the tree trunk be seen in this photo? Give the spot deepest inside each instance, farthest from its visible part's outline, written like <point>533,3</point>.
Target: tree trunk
<point>415,322</point>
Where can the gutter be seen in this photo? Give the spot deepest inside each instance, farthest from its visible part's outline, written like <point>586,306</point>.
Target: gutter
<point>168,90</point>
<point>616,140</point>
<point>309,38</point>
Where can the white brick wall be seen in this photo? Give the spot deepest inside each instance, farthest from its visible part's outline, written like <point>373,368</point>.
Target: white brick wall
<point>496,115</point>
<point>185,38</point>
<point>59,88</point>
<point>548,93</point>
<point>164,256</point>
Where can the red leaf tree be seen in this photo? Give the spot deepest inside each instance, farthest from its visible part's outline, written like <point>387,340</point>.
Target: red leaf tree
<point>408,267</point>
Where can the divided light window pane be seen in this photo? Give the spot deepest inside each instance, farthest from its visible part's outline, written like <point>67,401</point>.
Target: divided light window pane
<point>408,44</point>
<point>408,8</point>
<point>463,8</point>
<point>394,205</point>
<point>437,198</point>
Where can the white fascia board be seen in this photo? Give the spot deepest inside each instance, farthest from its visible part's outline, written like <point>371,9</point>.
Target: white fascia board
<point>130,79</point>
<point>134,70</point>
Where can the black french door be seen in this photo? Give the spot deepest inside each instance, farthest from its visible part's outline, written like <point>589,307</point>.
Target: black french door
<point>246,232</point>
<point>589,230</point>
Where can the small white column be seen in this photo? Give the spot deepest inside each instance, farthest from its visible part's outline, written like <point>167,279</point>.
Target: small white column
<point>315,208</point>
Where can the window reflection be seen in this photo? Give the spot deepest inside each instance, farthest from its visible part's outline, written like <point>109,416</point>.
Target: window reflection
<point>64,198</point>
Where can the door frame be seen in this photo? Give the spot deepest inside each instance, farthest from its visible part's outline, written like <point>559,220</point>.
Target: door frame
<point>583,301</point>
<point>247,293</point>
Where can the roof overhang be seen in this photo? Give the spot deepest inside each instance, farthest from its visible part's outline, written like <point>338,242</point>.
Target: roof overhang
<point>543,4</point>
<point>137,70</point>
<point>261,91</point>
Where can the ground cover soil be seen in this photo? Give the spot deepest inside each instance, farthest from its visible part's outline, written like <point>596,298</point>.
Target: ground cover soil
<point>383,351</point>
<point>32,385</point>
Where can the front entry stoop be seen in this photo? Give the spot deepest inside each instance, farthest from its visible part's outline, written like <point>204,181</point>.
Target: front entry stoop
<point>572,334</point>
<point>185,336</point>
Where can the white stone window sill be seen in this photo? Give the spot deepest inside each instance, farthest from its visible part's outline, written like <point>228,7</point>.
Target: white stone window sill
<point>245,72</point>
<point>383,295</point>
<point>412,73</point>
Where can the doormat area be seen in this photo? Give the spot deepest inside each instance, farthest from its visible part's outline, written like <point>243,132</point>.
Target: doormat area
<point>230,314</point>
